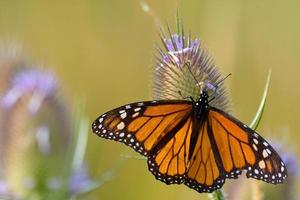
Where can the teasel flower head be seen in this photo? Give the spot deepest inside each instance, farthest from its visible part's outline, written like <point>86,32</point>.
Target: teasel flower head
<point>36,129</point>
<point>184,68</point>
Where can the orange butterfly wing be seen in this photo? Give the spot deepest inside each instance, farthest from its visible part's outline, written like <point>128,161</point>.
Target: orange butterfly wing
<point>168,162</point>
<point>204,172</point>
<point>225,148</point>
<point>241,148</point>
<point>141,125</point>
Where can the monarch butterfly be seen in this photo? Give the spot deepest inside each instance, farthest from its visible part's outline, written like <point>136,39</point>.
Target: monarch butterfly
<point>192,142</point>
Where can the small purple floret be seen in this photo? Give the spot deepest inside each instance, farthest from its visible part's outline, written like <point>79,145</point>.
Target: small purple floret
<point>79,180</point>
<point>39,82</point>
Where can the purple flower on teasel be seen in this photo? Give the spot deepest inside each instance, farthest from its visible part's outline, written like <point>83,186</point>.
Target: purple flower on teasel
<point>177,48</point>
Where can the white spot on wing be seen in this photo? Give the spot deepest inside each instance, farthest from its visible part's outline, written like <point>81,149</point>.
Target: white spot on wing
<point>123,115</point>
<point>262,164</point>
<point>265,154</point>
<point>255,141</point>
<point>121,125</point>
<point>137,109</point>
<point>254,147</point>
<point>128,107</point>
<point>135,114</point>
<point>122,134</point>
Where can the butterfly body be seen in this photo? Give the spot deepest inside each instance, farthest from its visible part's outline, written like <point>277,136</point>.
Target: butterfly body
<point>191,142</point>
<point>200,112</point>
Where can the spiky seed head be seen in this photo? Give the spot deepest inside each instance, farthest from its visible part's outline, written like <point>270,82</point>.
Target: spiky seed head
<point>184,68</point>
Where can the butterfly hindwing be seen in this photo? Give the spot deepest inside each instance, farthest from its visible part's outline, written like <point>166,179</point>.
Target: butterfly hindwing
<point>204,173</point>
<point>168,163</point>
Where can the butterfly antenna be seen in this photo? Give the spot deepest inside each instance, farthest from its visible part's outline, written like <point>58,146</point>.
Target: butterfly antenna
<point>211,99</point>
<point>223,79</point>
<point>197,82</point>
<point>216,87</point>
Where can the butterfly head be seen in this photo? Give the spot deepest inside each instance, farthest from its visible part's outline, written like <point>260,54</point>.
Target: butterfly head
<point>203,99</point>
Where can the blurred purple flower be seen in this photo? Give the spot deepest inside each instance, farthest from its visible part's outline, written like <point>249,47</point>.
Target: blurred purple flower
<point>79,180</point>
<point>289,158</point>
<point>3,188</point>
<point>41,83</point>
<point>36,118</point>
<point>291,161</point>
<point>5,191</point>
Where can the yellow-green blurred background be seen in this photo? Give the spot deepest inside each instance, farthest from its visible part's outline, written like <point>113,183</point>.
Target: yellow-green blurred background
<point>102,51</point>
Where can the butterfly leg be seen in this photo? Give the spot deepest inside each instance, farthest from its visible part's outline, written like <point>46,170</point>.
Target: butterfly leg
<point>186,97</point>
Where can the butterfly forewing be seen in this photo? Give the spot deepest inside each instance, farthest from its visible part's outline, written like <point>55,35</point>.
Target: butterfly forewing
<point>242,148</point>
<point>141,125</point>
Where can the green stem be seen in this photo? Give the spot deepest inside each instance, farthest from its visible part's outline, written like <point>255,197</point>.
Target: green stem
<point>260,110</point>
<point>217,195</point>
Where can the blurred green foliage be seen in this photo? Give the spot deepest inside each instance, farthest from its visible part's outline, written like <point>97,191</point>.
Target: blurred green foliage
<point>103,51</point>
